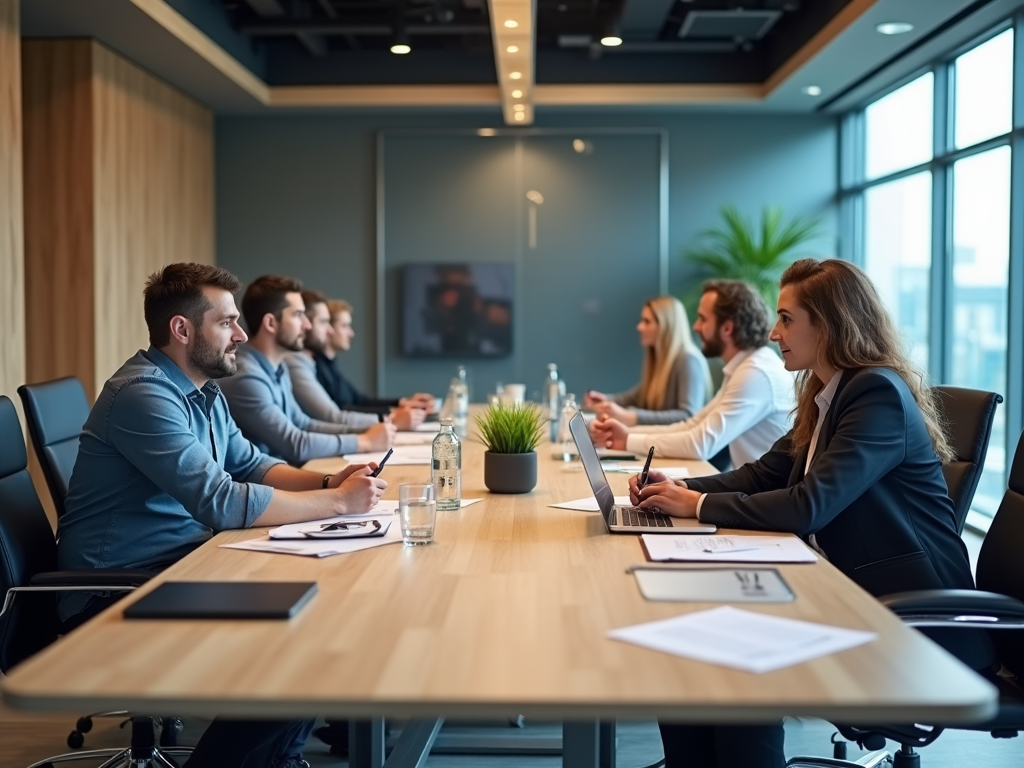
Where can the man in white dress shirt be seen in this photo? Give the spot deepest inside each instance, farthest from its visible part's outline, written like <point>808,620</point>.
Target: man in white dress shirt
<point>753,406</point>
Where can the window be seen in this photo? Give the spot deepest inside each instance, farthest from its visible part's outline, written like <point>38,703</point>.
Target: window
<point>898,128</point>
<point>898,253</point>
<point>983,91</point>
<point>981,264</point>
<point>947,281</point>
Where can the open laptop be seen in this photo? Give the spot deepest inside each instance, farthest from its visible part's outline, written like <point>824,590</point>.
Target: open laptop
<point>624,519</point>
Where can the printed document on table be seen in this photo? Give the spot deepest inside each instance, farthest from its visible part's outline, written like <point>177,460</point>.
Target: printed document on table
<point>672,473</point>
<point>403,455</point>
<point>728,549</point>
<point>429,426</point>
<point>588,504</point>
<point>731,637</point>
<point>414,438</point>
<point>383,511</point>
<point>318,547</point>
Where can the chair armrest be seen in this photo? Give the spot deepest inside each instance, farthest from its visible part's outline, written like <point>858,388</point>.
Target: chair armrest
<point>95,577</point>
<point>956,607</point>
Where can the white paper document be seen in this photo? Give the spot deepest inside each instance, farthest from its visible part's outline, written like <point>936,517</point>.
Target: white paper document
<point>319,547</point>
<point>414,438</point>
<point>404,455</point>
<point>588,504</point>
<point>728,549</point>
<point>429,426</point>
<point>731,637</point>
<point>384,510</point>
<point>672,473</point>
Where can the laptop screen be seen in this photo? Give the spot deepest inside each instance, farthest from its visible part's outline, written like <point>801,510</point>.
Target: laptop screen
<point>592,465</point>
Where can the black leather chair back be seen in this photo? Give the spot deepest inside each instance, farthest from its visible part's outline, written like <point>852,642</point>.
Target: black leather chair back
<point>27,547</point>
<point>969,414</point>
<point>55,412</point>
<point>1001,561</point>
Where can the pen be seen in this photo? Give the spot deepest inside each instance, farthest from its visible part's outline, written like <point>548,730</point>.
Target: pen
<point>647,468</point>
<point>382,462</point>
<point>729,551</point>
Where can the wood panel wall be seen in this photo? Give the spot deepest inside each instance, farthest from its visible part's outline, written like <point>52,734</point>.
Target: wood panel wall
<point>122,183</point>
<point>12,263</point>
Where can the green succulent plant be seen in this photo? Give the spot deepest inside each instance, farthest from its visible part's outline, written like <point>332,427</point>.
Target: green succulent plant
<point>516,428</point>
<point>757,253</point>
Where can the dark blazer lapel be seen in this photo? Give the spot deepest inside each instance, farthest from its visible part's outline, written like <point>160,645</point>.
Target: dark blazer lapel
<point>828,428</point>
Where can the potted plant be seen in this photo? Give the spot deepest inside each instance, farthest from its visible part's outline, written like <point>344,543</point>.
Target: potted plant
<point>755,253</point>
<point>510,433</point>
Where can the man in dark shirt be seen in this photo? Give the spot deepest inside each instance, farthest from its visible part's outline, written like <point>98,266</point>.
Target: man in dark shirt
<point>338,387</point>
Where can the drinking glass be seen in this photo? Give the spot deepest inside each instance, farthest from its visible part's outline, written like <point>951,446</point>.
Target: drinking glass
<point>417,507</point>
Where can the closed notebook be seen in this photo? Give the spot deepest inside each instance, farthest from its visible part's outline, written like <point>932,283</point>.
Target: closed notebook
<point>223,600</point>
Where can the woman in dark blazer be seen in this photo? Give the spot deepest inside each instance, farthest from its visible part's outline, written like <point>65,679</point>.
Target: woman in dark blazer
<point>859,476</point>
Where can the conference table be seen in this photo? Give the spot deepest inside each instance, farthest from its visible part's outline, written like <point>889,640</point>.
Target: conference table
<point>505,614</point>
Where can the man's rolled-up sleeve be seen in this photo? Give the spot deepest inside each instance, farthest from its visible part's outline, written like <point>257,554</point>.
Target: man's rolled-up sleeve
<point>149,422</point>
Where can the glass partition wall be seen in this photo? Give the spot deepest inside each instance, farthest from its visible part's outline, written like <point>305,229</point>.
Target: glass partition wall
<point>930,170</point>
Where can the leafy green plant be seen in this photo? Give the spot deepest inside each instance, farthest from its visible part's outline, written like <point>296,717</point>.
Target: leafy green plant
<point>757,253</point>
<point>516,428</point>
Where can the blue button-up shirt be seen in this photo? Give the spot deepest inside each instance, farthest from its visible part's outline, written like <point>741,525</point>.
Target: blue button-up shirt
<point>161,466</point>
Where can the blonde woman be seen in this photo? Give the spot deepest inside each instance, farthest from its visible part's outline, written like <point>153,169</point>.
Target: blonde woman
<point>675,383</point>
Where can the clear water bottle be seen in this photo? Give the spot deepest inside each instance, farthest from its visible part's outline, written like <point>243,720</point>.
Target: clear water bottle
<point>460,402</point>
<point>566,445</point>
<point>554,391</point>
<point>446,467</point>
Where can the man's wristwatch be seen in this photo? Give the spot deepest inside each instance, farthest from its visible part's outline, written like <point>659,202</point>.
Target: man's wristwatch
<point>327,480</point>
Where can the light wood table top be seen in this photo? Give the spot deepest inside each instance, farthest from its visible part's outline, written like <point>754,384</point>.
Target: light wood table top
<point>505,614</point>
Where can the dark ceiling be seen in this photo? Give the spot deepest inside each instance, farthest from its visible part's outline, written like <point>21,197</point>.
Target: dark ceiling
<point>345,42</point>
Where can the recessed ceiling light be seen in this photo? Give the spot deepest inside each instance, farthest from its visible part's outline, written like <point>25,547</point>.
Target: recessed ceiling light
<point>519,107</point>
<point>486,132</point>
<point>400,48</point>
<point>515,75</point>
<point>579,145</point>
<point>511,23</point>
<point>894,28</point>
<point>517,94</point>
<point>812,90</point>
<point>611,41</point>
<point>520,116</point>
<point>513,49</point>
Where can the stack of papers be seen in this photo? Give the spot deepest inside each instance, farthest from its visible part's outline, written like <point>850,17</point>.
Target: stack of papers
<point>745,640</point>
<point>728,549</point>
<point>318,547</point>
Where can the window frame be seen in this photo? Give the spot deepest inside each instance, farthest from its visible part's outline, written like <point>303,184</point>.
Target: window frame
<point>853,184</point>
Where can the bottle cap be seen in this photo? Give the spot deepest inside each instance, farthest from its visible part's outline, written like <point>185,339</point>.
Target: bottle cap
<point>447,421</point>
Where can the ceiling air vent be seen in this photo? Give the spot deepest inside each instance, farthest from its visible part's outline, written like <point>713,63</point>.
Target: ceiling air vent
<point>728,25</point>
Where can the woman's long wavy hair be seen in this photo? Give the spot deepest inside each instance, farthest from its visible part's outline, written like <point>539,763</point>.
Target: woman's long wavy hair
<point>674,338</point>
<point>856,331</point>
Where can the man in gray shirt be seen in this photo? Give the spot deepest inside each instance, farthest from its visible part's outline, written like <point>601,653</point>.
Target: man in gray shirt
<point>260,393</point>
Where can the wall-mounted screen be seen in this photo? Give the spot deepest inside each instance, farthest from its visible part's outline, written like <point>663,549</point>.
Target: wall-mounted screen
<point>457,310</point>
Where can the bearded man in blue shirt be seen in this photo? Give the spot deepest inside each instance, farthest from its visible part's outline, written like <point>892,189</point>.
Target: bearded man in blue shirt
<point>162,466</point>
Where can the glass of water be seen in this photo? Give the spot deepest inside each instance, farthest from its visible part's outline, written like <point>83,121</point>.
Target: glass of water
<point>417,507</point>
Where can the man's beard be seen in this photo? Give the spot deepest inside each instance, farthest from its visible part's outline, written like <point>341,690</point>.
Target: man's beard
<point>292,345</point>
<point>210,361</point>
<point>314,345</point>
<point>713,347</point>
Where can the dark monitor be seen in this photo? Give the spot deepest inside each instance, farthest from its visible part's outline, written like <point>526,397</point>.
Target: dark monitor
<point>457,310</point>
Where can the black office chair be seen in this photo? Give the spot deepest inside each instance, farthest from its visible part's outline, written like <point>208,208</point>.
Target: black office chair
<point>969,414</point>
<point>999,607</point>
<point>55,412</point>
<point>30,583</point>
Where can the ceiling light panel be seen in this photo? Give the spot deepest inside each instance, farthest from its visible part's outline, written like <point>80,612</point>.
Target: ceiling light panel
<point>513,34</point>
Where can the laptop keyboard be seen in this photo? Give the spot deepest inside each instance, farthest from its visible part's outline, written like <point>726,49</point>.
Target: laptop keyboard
<point>650,517</point>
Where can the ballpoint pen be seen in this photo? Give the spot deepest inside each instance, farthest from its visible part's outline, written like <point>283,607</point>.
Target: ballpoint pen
<point>382,462</point>
<point>647,467</point>
<point>729,551</point>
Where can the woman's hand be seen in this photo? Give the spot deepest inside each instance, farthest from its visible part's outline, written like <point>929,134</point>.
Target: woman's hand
<point>615,411</point>
<point>592,397</point>
<point>672,498</point>
<point>362,469</point>
<point>608,433</point>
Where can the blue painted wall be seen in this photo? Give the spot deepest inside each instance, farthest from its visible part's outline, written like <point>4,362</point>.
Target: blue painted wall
<point>296,194</point>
